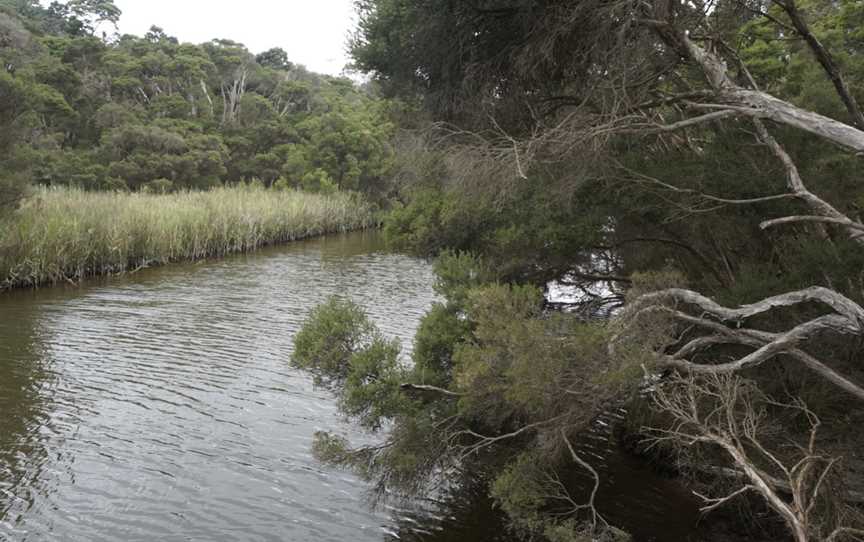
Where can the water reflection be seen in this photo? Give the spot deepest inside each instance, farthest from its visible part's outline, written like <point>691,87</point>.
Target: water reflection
<point>461,514</point>
<point>161,406</point>
<point>25,409</point>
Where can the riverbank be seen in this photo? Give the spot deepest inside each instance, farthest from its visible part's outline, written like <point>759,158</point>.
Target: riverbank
<point>62,234</point>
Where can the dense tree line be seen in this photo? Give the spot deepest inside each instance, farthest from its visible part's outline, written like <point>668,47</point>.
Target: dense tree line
<point>83,106</point>
<point>692,170</point>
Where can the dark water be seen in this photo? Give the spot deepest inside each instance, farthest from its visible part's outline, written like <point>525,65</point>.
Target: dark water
<point>160,406</point>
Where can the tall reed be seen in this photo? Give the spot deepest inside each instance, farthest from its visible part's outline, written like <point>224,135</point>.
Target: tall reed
<point>68,234</point>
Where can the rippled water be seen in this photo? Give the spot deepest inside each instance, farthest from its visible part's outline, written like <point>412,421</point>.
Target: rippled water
<point>161,405</point>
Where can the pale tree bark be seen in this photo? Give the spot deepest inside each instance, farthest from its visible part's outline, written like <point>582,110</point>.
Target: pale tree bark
<point>733,99</point>
<point>726,326</point>
<point>231,97</point>
<point>825,59</point>
<point>755,103</point>
<point>847,317</point>
<point>730,414</point>
<point>207,96</point>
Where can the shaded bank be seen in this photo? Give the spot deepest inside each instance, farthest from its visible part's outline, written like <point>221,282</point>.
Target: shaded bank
<point>67,234</point>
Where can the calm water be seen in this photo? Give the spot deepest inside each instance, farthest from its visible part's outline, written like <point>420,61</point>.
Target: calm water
<point>160,406</point>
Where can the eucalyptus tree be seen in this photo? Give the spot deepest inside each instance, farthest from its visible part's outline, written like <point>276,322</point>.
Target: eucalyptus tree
<point>124,113</point>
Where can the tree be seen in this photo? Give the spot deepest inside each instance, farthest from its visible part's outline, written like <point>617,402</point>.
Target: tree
<point>13,106</point>
<point>237,118</point>
<point>275,58</point>
<point>732,414</point>
<point>80,17</point>
<point>714,145</point>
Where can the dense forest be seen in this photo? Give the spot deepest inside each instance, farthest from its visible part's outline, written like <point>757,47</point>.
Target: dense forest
<point>83,106</point>
<point>691,172</point>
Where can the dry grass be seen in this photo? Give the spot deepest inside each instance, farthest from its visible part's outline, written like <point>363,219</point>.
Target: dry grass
<point>67,234</point>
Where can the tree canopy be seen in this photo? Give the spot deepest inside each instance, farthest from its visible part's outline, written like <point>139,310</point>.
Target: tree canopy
<point>691,172</point>
<point>129,112</point>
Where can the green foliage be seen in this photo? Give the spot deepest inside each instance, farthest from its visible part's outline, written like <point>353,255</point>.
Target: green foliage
<point>432,221</point>
<point>519,361</point>
<point>13,180</point>
<point>520,492</point>
<point>346,353</point>
<point>518,179</point>
<point>523,490</point>
<point>125,113</point>
<point>372,392</point>
<point>527,230</point>
<point>331,335</point>
<point>457,273</point>
<point>275,58</point>
<point>441,331</point>
<point>504,363</point>
<point>317,181</point>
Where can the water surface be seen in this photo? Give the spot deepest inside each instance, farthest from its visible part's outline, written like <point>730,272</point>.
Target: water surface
<point>160,405</point>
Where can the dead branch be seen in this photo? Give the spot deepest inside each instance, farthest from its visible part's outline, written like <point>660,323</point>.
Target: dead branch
<point>730,413</point>
<point>484,441</point>
<point>764,105</point>
<point>850,224</point>
<point>839,303</point>
<point>727,326</point>
<point>595,516</point>
<point>429,388</point>
<point>796,184</point>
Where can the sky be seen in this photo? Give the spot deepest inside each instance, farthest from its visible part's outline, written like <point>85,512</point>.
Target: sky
<point>313,32</point>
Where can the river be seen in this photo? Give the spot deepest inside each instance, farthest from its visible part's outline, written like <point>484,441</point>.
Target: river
<point>160,405</point>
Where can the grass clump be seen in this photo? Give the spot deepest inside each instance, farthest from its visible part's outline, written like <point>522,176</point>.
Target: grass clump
<point>68,234</point>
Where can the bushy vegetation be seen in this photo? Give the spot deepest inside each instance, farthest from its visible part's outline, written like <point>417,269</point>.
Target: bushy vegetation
<point>132,112</point>
<point>482,364</point>
<point>346,353</point>
<point>68,233</point>
<point>148,116</point>
<point>692,172</point>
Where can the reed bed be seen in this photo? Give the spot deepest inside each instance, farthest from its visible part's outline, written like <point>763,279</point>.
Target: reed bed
<point>63,234</point>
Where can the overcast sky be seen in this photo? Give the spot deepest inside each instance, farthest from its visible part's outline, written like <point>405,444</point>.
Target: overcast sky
<point>313,32</point>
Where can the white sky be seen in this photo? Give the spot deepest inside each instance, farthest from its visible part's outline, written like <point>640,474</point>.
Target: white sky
<point>313,32</point>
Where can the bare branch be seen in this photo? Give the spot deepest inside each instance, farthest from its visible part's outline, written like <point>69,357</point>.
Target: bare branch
<point>836,301</point>
<point>851,224</point>
<point>584,464</point>
<point>429,388</point>
<point>762,104</point>
<point>727,412</point>
<point>848,318</point>
<point>714,503</point>
<point>826,60</point>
